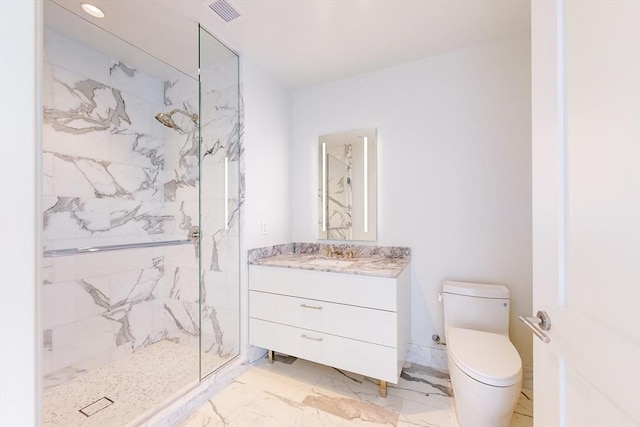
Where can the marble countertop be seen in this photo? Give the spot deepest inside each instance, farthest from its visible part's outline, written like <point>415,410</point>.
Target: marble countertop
<point>366,266</point>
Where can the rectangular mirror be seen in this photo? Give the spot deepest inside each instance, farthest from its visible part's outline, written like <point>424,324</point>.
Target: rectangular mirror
<point>347,185</point>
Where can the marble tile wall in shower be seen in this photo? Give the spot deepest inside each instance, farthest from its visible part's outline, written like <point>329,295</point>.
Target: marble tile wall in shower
<point>102,149</point>
<point>99,307</point>
<point>107,166</point>
<point>112,174</point>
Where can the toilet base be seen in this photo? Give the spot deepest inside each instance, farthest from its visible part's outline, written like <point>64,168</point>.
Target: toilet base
<point>481,405</point>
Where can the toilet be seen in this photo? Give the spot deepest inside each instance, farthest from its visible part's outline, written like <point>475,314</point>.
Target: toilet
<point>485,367</point>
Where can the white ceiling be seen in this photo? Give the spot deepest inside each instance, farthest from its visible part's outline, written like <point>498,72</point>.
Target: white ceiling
<point>309,42</point>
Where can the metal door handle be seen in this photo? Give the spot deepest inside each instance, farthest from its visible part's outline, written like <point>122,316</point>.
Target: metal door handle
<point>537,324</point>
<point>310,338</point>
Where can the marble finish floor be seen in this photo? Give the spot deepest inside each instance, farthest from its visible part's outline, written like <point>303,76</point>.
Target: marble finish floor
<point>295,392</point>
<point>137,384</point>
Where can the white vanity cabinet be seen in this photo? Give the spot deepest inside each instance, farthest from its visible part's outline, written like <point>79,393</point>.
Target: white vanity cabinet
<point>349,321</point>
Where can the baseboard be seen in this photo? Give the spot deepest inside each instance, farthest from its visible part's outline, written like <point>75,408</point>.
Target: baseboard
<point>527,377</point>
<point>434,357</point>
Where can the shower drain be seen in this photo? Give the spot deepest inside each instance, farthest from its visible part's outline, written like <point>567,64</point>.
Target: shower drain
<point>95,407</point>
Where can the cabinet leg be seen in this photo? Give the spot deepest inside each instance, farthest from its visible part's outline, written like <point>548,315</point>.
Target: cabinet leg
<point>383,388</point>
<point>270,353</point>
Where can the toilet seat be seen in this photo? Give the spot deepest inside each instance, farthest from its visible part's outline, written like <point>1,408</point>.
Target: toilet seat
<point>484,356</point>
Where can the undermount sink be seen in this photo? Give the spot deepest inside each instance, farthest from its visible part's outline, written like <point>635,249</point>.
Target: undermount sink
<point>323,262</point>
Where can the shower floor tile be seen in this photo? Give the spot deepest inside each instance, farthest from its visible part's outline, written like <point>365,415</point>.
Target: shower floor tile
<point>136,384</point>
<point>303,393</point>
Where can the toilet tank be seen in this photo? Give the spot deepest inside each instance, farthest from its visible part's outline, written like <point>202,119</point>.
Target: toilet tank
<point>476,306</point>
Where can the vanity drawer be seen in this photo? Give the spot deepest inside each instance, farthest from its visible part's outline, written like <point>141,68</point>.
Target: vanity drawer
<point>353,289</point>
<point>364,324</point>
<point>368,359</point>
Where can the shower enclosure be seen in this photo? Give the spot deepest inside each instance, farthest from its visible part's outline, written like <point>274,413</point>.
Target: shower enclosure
<point>141,201</point>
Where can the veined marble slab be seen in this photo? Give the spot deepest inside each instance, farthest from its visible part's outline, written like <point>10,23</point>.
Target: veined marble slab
<point>381,267</point>
<point>301,393</point>
<point>369,260</point>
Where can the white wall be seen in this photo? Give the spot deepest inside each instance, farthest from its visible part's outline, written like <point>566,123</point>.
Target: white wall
<point>454,163</point>
<point>20,147</point>
<point>267,144</point>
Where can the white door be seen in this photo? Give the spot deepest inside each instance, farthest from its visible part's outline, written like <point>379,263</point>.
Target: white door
<point>586,211</point>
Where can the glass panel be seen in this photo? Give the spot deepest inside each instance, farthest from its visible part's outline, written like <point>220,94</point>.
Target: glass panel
<point>220,203</point>
<point>124,324</point>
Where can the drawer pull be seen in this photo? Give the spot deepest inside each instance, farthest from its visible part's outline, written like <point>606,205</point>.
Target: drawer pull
<point>311,306</point>
<point>310,338</point>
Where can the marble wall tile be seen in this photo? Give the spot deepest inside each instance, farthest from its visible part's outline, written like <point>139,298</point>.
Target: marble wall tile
<point>85,109</point>
<point>181,184</point>
<point>180,216</point>
<point>100,137</point>
<point>135,148</point>
<point>136,286</point>
<point>80,340</point>
<point>131,80</point>
<point>181,283</point>
<point>83,177</point>
<point>94,145</point>
<point>69,302</point>
<point>181,320</point>
<point>218,331</point>
<point>89,318</point>
<point>101,263</point>
<point>179,92</point>
<point>144,326</point>
<point>98,219</point>
<point>136,218</point>
<point>73,55</point>
<point>75,217</point>
<point>219,289</point>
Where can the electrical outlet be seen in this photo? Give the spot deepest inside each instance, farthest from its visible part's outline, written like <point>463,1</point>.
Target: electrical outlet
<point>264,229</point>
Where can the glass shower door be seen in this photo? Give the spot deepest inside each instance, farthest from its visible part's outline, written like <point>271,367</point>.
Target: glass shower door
<point>220,201</point>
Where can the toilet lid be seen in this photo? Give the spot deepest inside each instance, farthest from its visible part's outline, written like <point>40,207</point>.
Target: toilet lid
<point>484,356</point>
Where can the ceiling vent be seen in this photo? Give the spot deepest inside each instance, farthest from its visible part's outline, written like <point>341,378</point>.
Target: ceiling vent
<point>224,10</point>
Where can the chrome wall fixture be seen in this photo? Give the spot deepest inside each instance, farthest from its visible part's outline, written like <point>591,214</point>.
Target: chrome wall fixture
<point>93,249</point>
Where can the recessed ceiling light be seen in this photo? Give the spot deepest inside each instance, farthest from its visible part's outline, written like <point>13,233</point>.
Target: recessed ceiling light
<point>92,10</point>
